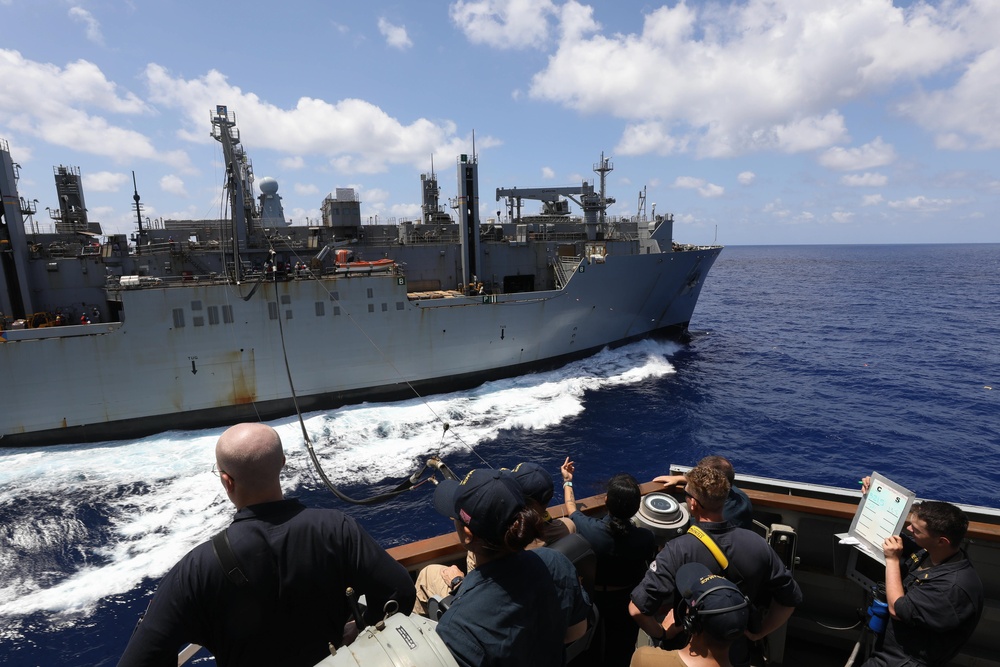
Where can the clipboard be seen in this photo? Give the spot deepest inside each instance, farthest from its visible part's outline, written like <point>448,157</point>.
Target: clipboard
<point>882,513</point>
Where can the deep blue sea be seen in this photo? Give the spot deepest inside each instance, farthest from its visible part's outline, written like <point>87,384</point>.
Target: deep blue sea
<point>811,363</point>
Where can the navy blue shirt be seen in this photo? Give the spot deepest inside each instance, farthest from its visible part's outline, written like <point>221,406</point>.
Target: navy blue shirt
<point>619,562</point>
<point>514,611</point>
<point>299,562</point>
<point>938,612</point>
<point>764,576</point>
<point>738,509</point>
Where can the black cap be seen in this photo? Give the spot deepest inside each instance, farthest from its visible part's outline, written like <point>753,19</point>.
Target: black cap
<point>535,482</point>
<point>487,501</point>
<point>722,610</point>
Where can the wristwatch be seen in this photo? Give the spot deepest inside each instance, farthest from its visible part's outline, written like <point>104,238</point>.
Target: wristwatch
<point>455,583</point>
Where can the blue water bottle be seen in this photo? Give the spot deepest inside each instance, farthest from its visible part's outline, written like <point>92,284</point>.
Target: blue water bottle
<point>878,610</point>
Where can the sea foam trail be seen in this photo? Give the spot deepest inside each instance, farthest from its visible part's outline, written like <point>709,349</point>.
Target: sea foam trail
<point>81,523</point>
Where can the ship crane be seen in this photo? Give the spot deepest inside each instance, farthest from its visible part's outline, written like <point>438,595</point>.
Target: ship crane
<point>594,203</point>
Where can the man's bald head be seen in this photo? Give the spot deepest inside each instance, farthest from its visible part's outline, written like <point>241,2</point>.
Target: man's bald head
<point>251,455</point>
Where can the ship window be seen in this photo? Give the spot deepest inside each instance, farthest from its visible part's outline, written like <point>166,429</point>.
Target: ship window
<point>198,321</point>
<point>371,307</point>
<point>272,310</point>
<point>213,315</point>
<point>227,314</point>
<point>336,310</point>
<point>371,292</point>
<point>335,296</point>
<point>196,305</point>
<point>286,299</point>
<point>288,314</point>
<point>320,309</point>
<point>178,318</point>
<point>399,305</point>
<point>385,307</point>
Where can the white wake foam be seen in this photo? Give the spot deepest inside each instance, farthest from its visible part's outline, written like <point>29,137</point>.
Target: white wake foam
<point>126,511</point>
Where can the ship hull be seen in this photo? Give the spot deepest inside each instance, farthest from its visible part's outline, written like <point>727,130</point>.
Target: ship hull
<point>200,355</point>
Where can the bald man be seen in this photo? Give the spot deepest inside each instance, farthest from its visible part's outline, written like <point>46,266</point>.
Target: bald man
<point>276,595</point>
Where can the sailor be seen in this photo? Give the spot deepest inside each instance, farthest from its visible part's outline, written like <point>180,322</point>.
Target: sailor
<point>714,613</point>
<point>737,509</point>
<point>935,597</point>
<point>740,555</point>
<point>536,485</point>
<point>623,550</point>
<point>270,589</point>
<point>518,607</point>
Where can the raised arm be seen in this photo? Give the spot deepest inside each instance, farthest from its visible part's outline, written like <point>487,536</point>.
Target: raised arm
<point>569,498</point>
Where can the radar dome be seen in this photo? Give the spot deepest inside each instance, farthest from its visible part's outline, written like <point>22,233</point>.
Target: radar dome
<point>268,185</point>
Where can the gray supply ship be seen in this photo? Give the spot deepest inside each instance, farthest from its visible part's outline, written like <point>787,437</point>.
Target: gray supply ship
<point>189,324</point>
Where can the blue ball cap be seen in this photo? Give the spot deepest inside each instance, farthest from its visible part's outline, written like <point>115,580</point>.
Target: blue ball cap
<point>535,482</point>
<point>723,611</point>
<point>487,501</point>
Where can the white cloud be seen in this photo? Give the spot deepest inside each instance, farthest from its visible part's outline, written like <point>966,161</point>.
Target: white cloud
<point>842,216</point>
<point>405,211</point>
<point>922,204</point>
<point>87,19</point>
<point>865,180</point>
<point>964,116</point>
<point>749,76</point>
<point>707,190</point>
<point>173,185</point>
<point>395,35</point>
<point>356,136</point>
<point>871,200</point>
<point>67,107</point>
<point>305,189</point>
<point>651,137</point>
<point>504,24</point>
<point>104,181</point>
<point>547,173</point>
<point>292,163</point>
<point>874,154</point>
<point>746,178</point>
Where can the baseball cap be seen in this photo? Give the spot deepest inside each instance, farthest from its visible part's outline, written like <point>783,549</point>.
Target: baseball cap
<point>535,482</point>
<point>486,501</point>
<point>722,610</point>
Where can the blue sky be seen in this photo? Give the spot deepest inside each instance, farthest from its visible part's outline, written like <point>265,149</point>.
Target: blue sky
<point>755,122</point>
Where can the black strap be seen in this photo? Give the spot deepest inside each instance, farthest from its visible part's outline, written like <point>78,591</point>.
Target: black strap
<point>227,559</point>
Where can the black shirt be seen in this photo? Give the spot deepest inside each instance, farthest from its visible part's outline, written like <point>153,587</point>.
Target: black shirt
<point>299,563</point>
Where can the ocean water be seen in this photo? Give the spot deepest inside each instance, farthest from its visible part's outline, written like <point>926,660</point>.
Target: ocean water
<point>812,363</point>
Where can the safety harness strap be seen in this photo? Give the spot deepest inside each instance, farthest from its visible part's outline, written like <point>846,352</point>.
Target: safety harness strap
<point>224,552</point>
<point>711,546</point>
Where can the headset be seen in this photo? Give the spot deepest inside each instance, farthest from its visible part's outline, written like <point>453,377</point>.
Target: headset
<point>690,613</point>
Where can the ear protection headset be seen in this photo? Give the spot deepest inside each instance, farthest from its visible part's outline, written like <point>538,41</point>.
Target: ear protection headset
<point>690,612</point>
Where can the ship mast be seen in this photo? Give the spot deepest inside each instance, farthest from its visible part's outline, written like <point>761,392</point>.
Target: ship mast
<point>239,183</point>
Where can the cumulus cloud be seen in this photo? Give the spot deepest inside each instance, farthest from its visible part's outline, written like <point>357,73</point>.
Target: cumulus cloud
<point>395,35</point>
<point>746,178</point>
<point>865,180</point>
<point>750,76</point>
<point>104,181</point>
<point>92,25</point>
<point>922,204</point>
<point>504,24</point>
<point>874,154</point>
<point>66,106</point>
<point>707,190</point>
<point>963,116</point>
<point>292,163</point>
<point>871,200</point>
<point>355,135</point>
<point>842,216</point>
<point>305,189</point>
<point>173,185</point>
<point>547,173</point>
